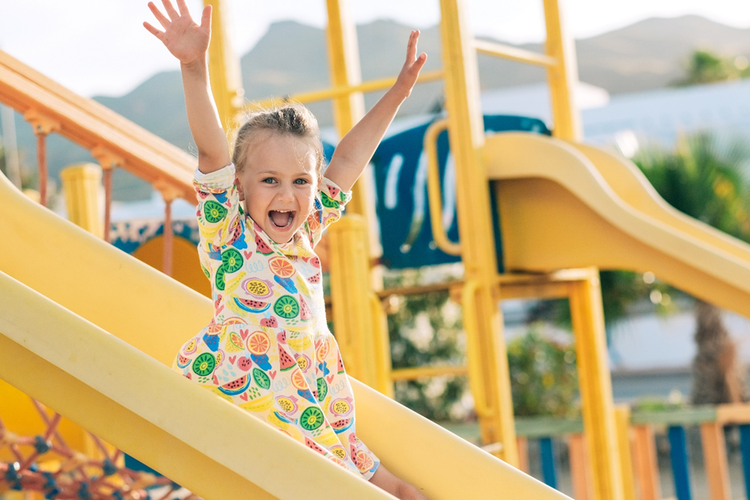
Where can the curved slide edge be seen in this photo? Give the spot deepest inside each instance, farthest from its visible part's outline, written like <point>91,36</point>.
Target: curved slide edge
<point>631,185</point>
<point>558,210</point>
<point>120,389</point>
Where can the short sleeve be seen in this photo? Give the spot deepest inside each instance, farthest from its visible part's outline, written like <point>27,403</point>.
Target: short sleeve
<point>329,204</point>
<point>218,206</point>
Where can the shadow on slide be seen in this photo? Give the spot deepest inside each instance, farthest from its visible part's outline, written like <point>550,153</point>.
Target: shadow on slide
<point>88,330</point>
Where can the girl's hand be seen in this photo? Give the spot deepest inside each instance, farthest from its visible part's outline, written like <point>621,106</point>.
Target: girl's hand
<point>185,39</point>
<point>386,480</point>
<point>413,65</point>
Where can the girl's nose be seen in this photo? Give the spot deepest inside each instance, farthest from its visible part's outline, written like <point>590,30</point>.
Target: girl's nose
<point>286,193</point>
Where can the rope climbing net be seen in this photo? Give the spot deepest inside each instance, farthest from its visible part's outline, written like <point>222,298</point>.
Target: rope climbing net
<point>46,465</point>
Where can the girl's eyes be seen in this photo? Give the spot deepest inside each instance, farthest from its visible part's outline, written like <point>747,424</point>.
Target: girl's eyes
<point>272,180</point>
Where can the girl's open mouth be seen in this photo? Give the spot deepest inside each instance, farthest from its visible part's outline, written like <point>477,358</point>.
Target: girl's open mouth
<point>281,219</point>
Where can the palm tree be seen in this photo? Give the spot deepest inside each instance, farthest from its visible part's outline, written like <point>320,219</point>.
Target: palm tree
<point>703,178</point>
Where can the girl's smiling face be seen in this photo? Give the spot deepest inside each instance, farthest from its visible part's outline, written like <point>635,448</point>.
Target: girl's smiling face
<point>278,183</point>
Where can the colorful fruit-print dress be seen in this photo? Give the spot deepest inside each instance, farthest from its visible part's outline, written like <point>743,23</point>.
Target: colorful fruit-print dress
<point>268,348</point>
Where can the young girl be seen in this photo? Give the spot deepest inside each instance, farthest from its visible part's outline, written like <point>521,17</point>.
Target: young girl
<point>261,212</point>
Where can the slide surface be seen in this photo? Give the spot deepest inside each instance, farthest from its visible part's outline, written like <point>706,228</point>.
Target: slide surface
<point>566,205</point>
<point>88,330</point>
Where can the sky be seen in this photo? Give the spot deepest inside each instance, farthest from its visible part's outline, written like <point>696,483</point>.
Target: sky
<point>97,47</point>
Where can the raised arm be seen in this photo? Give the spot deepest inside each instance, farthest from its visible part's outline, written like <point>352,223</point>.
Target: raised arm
<point>357,147</point>
<point>188,42</point>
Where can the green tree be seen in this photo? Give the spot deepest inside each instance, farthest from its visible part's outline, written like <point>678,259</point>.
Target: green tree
<point>704,66</point>
<point>703,178</point>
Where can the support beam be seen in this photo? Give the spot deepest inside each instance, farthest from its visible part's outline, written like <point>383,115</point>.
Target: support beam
<point>224,66</point>
<point>81,185</point>
<point>596,388</point>
<point>343,61</point>
<point>352,306</point>
<point>466,134</point>
<point>563,75</point>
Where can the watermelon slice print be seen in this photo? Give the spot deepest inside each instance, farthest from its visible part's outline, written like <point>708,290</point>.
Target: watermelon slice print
<point>262,246</point>
<point>251,306</point>
<point>313,445</point>
<point>305,311</point>
<point>327,201</point>
<point>341,425</point>
<point>286,361</point>
<point>236,387</point>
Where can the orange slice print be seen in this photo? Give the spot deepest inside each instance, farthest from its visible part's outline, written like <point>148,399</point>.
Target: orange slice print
<point>258,343</point>
<point>322,349</point>
<point>281,267</point>
<point>364,461</point>
<point>298,380</point>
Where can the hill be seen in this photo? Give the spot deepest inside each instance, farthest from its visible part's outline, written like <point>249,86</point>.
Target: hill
<point>291,58</point>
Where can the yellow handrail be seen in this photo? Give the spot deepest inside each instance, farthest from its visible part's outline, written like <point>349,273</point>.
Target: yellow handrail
<point>513,53</point>
<point>321,95</point>
<point>434,195</point>
<point>428,371</point>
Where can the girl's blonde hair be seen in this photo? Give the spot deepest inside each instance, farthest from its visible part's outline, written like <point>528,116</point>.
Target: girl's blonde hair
<point>292,119</point>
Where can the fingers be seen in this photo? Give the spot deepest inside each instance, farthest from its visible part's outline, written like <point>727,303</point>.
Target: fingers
<point>158,15</point>
<point>419,63</point>
<point>206,17</point>
<point>171,12</point>
<point>158,34</point>
<point>183,8</point>
<point>411,48</point>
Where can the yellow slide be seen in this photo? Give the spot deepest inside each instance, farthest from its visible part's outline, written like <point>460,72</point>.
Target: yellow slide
<point>567,205</point>
<point>87,330</point>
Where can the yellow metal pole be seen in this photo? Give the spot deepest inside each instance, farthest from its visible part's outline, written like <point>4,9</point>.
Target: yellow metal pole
<point>81,184</point>
<point>224,66</point>
<point>562,76</point>
<point>596,388</point>
<point>382,347</point>
<point>352,306</point>
<point>475,226</point>
<point>343,60</point>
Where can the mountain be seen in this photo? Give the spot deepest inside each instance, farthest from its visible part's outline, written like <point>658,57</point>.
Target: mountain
<point>653,53</point>
<point>291,58</point>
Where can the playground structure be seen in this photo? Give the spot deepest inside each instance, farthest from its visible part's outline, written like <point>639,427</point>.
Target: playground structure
<point>104,342</point>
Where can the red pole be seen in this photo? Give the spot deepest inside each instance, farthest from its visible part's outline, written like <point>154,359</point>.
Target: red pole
<point>168,240</point>
<point>41,155</point>
<point>107,201</point>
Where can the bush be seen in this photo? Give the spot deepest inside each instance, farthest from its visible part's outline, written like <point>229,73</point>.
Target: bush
<point>543,376</point>
<point>426,330</point>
